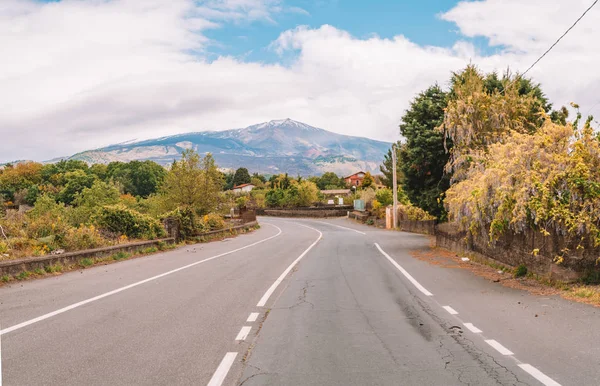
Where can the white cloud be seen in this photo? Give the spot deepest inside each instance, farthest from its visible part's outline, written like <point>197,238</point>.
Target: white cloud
<point>80,74</point>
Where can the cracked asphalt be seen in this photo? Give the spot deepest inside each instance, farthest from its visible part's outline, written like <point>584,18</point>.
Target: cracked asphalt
<point>344,315</point>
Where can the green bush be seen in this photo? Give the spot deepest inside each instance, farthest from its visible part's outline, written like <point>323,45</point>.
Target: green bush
<point>274,198</point>
<point>521,271</point>
<point>124,221</point>
<point>213,221</point>
<point>188,225</point>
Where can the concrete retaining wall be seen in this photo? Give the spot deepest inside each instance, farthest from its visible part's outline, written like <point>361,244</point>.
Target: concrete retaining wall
<point>13,267</point>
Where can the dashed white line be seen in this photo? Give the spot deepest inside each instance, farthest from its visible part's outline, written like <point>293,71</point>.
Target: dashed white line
<point>243,334</point>
<point>450,310</point>
<point>537,374</point>
<point>252,318</point>
<point>267,295</point>
<point>472,328</point>
<point>501,349</point>
<point>221,372</point>
<point>116,291</point>
<point>404,272</point>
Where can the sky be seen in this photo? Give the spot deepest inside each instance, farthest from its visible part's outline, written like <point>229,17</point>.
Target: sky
<point>82,74</point>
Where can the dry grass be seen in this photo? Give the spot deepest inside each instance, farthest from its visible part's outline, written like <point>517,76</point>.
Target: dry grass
<point>502,274</point>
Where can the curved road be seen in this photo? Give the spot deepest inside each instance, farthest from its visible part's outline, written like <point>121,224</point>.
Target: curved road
<point>298,302</point>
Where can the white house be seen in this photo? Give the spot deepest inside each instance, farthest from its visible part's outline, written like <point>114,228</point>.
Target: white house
<point>243,188</point>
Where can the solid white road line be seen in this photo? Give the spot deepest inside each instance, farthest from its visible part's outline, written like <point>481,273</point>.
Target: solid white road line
<point>501,349</point>
<point>274,286</point>
<point>342,227</point>
<point>252,318</point>
<point>219,375</point>
<point>0,357</point>
<point>243,334</point>
<point>450,310</point>
<point>404,272</point>
<point>116,291</point>
<point>537,374</point>
<point>472,328</point>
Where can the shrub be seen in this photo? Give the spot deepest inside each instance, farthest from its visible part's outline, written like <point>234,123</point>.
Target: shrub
<point>520,271</point>
<point>186,217</point>
<point>274,198</point>
<point>124,221</point>
<point>86,262</point>
<point>308,193</point>
<point>84,237</point>
<point>213,222</point>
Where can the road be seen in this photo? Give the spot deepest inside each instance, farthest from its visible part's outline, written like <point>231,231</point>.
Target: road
<point>298,302</point>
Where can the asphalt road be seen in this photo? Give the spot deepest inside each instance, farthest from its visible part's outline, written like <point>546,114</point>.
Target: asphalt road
<point>298,302</point>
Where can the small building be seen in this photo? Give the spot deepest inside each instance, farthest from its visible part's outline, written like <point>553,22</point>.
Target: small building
<point>243,188</point>
<point>355,179</point>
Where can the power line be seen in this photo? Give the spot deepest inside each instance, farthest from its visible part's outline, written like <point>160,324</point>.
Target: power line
<point>562,36</point>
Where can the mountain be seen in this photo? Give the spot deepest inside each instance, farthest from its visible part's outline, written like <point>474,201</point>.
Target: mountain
<point>273,147</point>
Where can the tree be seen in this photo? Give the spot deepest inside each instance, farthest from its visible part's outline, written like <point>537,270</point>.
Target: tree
<point>241,176</point>
<point>193,183</point>
<point>475,118</point>
<point>308,193</point>
<point>330,180</point>
<point>422,157</point>
<point>138,178</point>
<point>75,182</point>
<point>19,178</point>
<point>386,167</point>
<point>367,181</point>
<point>260,177</point>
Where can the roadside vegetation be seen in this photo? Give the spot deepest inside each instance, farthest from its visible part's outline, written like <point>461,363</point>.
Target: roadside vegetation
<point>491,155</point>
<point>71,206</point>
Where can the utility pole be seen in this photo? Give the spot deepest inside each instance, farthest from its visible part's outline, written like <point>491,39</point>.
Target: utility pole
<point>395,187</point>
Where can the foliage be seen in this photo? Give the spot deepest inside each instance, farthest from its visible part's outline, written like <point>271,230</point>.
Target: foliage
<point>74,183</point>
<point>423,157</point>
<point>188,222</point>
<point>308,193</point>
<point>193,183</point>
<point>212,222</point>
<point>411,212</point>
<point>124,221</point>
<point>521,271</point>
<point>475,118</point>
<point>84,237</point>
<point>386,167</point>
<point>385,197</point>
<point>549,181</point>
<point>329,180</point>
<point>241,176</point>
<point>138,178</point>
<point>88,203</point>
<point>367,181</point>
<point>274,198</point>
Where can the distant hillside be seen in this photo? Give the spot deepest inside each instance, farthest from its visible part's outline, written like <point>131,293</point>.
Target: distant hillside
<point>271,147</point>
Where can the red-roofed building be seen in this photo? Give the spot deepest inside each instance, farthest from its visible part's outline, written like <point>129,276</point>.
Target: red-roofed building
<point>243,188</point>
<point>355,179</point>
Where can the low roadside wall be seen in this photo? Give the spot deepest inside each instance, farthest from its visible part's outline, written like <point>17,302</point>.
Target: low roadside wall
<point>316,212</point>
<point>424,227</point>
<point>13,267</point>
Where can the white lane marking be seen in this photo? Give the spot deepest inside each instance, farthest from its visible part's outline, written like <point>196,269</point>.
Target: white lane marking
<point>267,295</point>
<point>537,374</point>
<point>339,226</point>
<point>243,334</point>
<point>404,272</point>
<point>219,375</point>
<point>252,318</point>
<point>450,310</point>
<point>116,291</point>
<point>501,349</point>
<point>472,328</point>
<point>0,356</point>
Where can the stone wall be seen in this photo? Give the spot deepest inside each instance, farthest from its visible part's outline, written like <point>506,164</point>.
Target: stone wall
<point>307,212</point>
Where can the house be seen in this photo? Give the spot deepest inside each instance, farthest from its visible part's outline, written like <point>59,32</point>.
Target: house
<point>355,179</point>
<point>243,188</point>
